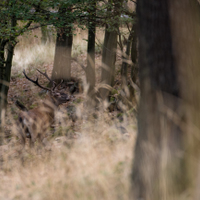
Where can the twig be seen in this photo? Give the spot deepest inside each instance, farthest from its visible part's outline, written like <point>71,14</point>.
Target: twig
<point>38,26</point>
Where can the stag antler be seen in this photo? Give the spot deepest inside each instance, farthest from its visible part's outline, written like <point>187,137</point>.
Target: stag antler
<point>45,75</point>
<point>35,82</point>
<point>51,81</point>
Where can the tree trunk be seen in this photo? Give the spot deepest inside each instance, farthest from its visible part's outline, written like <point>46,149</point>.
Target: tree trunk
<point>159,163</point>
<point>90,69</point>
<point>185,21</point>
<point>109,51</point>
<point>62,59</point>
<point>134,54</point>
<point>2,82</point>
<point>167,154</point>
<point>5,69</point>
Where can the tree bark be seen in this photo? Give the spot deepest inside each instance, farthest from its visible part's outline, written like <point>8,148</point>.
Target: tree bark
<point>185,20</point>
<point>158,164</point>
<point>62,59</point>
<point>5,69</point>
<point>109,51</point>
<point>167,154</point>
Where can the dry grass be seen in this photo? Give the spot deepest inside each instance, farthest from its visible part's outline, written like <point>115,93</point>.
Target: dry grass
<point>96,165</point>
<point>90,160</point>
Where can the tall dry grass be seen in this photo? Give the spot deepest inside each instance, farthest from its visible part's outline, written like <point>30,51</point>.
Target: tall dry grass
<point>96,165</point>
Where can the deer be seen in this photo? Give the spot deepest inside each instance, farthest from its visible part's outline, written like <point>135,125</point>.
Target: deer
<point>34,123</point>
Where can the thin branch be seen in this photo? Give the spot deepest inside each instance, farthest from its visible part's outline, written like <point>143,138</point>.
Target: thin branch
<point>38,26</point>
<point>25,27</point>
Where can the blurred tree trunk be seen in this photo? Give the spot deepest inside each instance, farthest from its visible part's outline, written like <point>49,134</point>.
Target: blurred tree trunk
<point>167,153</point>
<point>109,49</point>
<point>90,69</point>
<point>159,167</point>
<point>185,28</point>
<point>62,59</point>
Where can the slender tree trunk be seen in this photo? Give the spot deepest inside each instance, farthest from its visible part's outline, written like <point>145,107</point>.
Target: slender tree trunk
<point>2,82</point>
<point>62,59</point>
<point>134,54</point>
<point>109,51</point>
<point>5,69</point>
<point>90,69</point>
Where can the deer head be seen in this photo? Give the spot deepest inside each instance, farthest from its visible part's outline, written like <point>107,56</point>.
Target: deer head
<point>56,96</point>
<point>34,123</point>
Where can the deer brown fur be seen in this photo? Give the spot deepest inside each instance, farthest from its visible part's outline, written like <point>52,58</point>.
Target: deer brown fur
<point>35,123</point>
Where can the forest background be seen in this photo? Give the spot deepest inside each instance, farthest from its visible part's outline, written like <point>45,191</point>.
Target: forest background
<point>120,136</point>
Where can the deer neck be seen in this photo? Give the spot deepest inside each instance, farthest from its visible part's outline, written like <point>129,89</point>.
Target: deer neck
<point>49,107</point>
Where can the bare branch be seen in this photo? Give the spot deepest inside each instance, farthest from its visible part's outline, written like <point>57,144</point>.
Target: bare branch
<point>38,26</point>
<point>24,28</point>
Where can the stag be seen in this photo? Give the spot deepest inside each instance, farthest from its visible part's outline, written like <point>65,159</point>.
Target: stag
<point>34,123</point>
